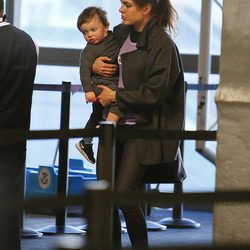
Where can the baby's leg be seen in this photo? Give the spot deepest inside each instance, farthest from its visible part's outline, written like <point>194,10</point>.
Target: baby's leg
<point>112,117</point>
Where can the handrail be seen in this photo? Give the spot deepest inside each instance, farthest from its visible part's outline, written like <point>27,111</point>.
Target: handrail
<point>156,199</point>
<point>78,88</point>
<point>9,135</point>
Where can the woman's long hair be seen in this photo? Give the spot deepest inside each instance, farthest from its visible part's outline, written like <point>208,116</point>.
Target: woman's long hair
<point>1,5</point>
<point>163,11</point>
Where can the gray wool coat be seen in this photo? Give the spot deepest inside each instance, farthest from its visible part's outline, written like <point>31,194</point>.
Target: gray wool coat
<point>154,90</point>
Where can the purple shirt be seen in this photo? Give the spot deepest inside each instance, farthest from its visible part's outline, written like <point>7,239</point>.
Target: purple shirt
<point>127,46</point>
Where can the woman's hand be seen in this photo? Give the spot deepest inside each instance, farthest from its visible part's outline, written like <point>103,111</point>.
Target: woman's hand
<point>107,96</point>
<point>101,67</point>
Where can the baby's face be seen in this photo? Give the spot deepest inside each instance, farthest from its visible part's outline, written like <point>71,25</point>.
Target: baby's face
<point>94,31</point>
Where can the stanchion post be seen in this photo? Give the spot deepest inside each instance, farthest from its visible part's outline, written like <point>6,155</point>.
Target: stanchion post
<point>178,207</point>
<point>62,180</point>
<point>178,189</point>
<point>106,153</point>
<point>27,232</point>
<point>97,207</point>
<point>177,221</point>
<point>106,171</point>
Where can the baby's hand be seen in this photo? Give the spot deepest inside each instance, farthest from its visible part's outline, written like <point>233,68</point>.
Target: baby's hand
<point>90,97</point>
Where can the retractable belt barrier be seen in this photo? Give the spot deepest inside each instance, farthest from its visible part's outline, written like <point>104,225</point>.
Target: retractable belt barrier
<point>103,239</point>
<point>13,135</point>
<point>156,199</point>
<point>19,134</point>
<point>9,136</point>
<point>78,88</point>
<point>202,87</point>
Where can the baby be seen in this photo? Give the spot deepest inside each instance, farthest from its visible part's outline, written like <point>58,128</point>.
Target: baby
<point>94,26</point>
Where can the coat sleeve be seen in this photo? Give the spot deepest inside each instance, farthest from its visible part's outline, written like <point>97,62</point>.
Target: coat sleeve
<point>154,86</point>
<point>86,61</point>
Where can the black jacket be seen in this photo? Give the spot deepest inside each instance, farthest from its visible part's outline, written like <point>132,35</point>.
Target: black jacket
<point>18,61</point>
<point>154,89</point>
<point>108,47</point>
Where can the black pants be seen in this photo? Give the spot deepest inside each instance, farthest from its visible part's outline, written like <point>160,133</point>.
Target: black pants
<point>128,178</point>
<point>11,193</point>
<point>96,115</point>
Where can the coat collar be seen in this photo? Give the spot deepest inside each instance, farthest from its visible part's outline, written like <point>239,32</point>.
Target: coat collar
<point>142,43</point>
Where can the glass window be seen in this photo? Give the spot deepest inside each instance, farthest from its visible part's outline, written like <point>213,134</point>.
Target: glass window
<point>188,25</point>
<point>4,2</point>
<point>216,26</point>
<point>53,23</point>
<point>45,114</point>
<point>189,17</point>
<point>193,161</point>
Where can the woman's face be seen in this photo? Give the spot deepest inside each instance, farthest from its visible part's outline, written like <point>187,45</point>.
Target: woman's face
<point>132,15</point>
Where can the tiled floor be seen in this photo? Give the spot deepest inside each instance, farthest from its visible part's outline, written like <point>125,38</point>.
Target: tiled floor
<point>170,237</point>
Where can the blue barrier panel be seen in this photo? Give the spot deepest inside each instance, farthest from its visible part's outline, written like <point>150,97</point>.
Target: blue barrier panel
<point>41,181</point>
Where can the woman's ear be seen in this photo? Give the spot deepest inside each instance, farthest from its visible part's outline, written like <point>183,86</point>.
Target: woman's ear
<point>147,9</point>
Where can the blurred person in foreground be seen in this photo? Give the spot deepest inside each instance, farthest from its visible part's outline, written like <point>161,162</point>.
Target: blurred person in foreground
<point>18,60</point>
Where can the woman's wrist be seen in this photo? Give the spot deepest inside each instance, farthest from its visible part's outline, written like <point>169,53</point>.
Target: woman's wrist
<point>114,96</point>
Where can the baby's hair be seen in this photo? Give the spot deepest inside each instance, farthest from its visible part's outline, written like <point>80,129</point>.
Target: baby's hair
<point>90,13</point>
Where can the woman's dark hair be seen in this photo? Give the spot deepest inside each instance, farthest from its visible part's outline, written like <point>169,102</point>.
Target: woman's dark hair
<point>163,11</point>
<point>89,13</point>
<point>1,5</point>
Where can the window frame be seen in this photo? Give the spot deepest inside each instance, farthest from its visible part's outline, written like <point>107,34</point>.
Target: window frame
<point>70,57</point>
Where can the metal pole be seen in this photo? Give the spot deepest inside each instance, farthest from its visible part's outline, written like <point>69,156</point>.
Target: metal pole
<point>106,171</point>
<point>106,153</point>
<point>62,181</point>
<point>204,64</point>
<point>98,203</point>
<point>204,69</point>
<point>27,232</point>
<point>177,220</point>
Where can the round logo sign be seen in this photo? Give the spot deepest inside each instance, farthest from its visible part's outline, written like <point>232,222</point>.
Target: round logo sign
<point>44,178</point>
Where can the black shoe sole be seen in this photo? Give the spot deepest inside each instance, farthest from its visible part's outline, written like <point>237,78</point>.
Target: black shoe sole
<point>78,146</point>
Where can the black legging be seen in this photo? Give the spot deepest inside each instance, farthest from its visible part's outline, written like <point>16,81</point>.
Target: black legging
<point>11,193</point>
<point>129,174</point>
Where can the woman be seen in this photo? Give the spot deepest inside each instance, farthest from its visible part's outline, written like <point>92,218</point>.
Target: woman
<point>151,94</point>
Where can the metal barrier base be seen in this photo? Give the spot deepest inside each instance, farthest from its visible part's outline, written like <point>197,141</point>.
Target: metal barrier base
<point>179,223</point>
<point>151,226</point>
<point>85,228</point>
<point>61,230</point>
<point>30,233</point>
<point>155,226</point>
